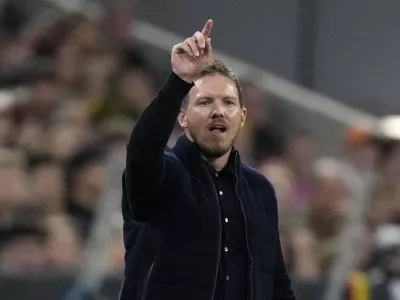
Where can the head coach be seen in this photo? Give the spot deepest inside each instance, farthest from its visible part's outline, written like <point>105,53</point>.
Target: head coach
<point>198,223</point>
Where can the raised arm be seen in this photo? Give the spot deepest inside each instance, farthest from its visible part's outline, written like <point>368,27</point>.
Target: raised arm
<point>145,150</point>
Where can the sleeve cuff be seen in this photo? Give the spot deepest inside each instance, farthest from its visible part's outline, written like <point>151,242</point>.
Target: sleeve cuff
<point>175,79</point>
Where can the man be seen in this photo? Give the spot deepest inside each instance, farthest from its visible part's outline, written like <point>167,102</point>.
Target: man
<point>199,224</point>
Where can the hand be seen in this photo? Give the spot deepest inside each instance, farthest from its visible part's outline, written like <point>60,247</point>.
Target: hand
<point>191,56</point>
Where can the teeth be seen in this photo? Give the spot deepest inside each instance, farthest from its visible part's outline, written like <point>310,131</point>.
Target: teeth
<point>217,129</point>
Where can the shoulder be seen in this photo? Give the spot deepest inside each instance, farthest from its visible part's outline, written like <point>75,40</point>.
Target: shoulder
<point>256,178</point>
<point>173,165</point>
<point>170,154</point>
<point>171,158</point>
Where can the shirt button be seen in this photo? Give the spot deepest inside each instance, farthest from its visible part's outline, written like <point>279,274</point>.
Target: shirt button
<point>221,193</point>
<point>226,249</point>
<point>226,220</point>
<point>216,174</point>
<point>227,277</point>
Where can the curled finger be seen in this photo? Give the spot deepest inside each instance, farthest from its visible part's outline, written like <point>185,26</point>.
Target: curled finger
<point>191,42</point>
<point>200,40</point>
<point>184,48</point>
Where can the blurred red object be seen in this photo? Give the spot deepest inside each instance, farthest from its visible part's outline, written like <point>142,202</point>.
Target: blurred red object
<point>357,135</point>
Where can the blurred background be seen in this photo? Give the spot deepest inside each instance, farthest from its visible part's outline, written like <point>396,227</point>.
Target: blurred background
<point>320,80</point>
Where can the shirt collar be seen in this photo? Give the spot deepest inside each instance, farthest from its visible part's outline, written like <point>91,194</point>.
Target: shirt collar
<point>229,169</point>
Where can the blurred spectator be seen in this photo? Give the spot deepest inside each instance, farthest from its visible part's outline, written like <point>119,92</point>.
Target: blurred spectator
<point>262,137</point>
<point>117,252</point>
<point>45,95</point>
<point>97,71</point>
<point>135,89</point>
<point>24,240</point>
<point>299,155</point>
<point>313,241</point>
<point>64,245</point>
<point>282,180</point>
<point>29,135</point>
<point>118,21</point>
<point>389,162</point>
<point>116,132</point>
<point>385,202</point>
<point>85,179</point>
<point>7,114</point>
<point>291,172</point>
<point>14,188</point>
<point>304,259</point>
<point>63,140</point>
<point>358,166</point>
<point>329,208</point>
<point>131,90</point>
<point>46,178</point>
<point>385,265</point>
<point>362,150</point>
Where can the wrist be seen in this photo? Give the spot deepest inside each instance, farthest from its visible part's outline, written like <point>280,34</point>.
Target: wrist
<point>188,79</point>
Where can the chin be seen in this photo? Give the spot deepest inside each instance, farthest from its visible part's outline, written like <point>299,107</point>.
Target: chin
<point>214,151</point>
<point>212,147</point>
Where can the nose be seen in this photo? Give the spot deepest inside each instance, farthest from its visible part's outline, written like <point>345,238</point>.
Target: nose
<point>217,111</point>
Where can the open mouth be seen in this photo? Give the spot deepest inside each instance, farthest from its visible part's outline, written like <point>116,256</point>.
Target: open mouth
<point>218,128</point>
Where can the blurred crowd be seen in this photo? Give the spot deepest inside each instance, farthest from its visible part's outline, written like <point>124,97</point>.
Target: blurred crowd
<point>70,92</point>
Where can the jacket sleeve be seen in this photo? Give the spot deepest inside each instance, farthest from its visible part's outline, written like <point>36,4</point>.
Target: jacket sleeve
<point>282,282</point>
<point>145,149</point>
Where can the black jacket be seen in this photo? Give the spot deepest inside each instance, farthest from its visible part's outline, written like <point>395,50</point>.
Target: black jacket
<point>172,226</point>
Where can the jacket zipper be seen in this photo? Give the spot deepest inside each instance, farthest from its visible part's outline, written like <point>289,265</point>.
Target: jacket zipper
<point>146,281</point>
<point>246,229</point>
<point>220,234</point>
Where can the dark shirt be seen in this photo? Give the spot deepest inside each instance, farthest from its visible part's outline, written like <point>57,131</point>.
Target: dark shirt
<point>233,276</point>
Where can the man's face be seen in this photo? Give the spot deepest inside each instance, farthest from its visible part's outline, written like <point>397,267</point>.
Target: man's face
<point>213,115</point>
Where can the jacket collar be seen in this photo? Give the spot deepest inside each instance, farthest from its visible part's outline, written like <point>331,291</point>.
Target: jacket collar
<point>190,154</point>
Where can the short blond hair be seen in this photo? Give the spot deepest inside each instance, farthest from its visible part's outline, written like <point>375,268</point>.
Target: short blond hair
<point>217,66</point>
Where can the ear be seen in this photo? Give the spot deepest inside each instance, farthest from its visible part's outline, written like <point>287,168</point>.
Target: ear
<point>182,119</point>
<point>243,116</point>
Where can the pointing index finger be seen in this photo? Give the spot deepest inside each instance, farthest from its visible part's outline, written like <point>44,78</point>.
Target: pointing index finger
<point>207,29</point>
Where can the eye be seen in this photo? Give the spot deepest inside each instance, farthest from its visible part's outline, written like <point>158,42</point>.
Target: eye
<point>204,103</point>
<point>229,102</point>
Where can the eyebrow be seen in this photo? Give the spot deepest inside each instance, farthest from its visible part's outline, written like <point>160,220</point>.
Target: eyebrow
<point>204,98</point>
<point>211,98</point>
<point>230,98</point>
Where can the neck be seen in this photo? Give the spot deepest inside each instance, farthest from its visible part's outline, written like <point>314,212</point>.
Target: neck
<point>218,162</point>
